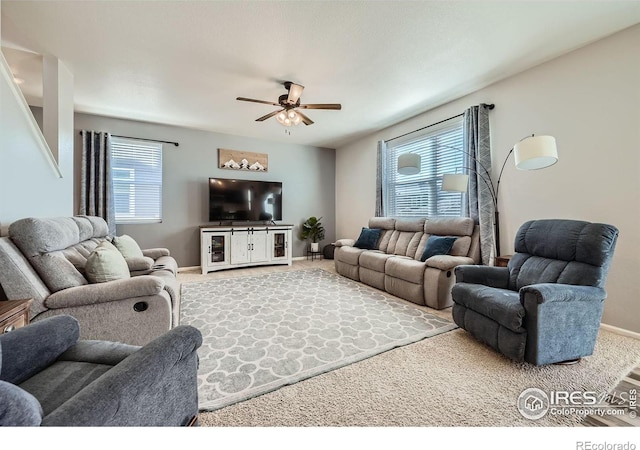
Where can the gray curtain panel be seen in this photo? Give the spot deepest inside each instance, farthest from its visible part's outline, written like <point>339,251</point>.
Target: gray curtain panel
<point>382,149</point>
<point>96,183</point>
<point>477,146</point>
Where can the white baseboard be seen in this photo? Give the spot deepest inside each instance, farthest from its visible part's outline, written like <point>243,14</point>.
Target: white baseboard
<point>184,269</point>
<point>620,331</point>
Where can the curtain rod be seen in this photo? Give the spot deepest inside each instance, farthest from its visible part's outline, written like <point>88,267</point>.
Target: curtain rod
<point>488,106</point>
<point>144,139</point>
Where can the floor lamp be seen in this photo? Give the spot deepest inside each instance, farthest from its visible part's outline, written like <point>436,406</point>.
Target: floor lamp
<point>531,153</point>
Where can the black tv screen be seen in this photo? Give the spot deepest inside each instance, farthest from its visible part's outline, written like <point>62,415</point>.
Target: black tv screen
<point>244,200</point>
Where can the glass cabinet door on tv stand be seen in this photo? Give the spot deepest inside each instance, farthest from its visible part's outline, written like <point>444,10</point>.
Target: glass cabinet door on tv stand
<point>279,245</point>
<point>215,250</point>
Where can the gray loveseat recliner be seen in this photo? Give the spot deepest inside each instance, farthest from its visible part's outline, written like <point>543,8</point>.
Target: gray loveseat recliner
<point>395,266</point>
<point>546,306</point>
<point>50,378</point>
<point>44,259</point>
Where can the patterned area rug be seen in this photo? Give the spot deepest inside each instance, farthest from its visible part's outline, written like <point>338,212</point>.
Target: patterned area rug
<point>262,333</point>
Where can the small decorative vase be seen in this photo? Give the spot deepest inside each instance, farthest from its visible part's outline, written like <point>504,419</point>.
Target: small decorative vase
<point>315,247</point>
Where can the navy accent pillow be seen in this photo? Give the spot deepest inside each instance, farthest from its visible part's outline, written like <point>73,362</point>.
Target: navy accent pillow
<point>437,245</point>
<point>368,239</point>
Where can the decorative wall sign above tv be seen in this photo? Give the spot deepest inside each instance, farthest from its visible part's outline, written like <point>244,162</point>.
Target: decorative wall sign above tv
<point>240,160</point>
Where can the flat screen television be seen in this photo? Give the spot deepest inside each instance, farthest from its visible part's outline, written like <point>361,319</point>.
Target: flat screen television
<point>244,200</point>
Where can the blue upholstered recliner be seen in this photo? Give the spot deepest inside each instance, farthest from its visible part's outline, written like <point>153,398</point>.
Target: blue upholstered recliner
<point>546,306</point>
<point>50,378</point>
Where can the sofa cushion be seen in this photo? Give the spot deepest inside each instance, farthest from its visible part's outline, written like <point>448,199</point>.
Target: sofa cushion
<point>404,243</point>
<point>106,263</point>
<point>127,246</point>
<point>57,272</point>
<point>19,279</point>
<point>368,239</point>
<point>405,268</point>
<point>85,228</point>
<point>449,226</point>
<point>500,305</point>
<point>99,225</point>
<point>37,236</point>
<point>562,251</point>
<point>437,245</point>
<point>62,380</point>
<point>461,246</point>
<point>349,255</point>
<point>410,225</point>
<point>384,223</point>
<point>374,260</point>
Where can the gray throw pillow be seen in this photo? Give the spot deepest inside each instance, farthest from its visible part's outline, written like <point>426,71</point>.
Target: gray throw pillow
<point>106,263</point>
<point>127,246</point>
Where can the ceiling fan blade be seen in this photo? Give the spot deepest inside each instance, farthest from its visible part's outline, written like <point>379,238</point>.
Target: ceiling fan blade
<point>295,91</point>
<point>321,106</point>
<point>304,118</point>
<point>268,116</point>
<point>256,101</point>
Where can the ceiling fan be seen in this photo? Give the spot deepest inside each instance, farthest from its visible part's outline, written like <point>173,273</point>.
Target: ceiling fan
<point>290,103</point>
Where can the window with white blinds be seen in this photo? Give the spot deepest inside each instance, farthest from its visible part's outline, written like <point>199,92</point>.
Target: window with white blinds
<point>420,195</point>
<point>136,170</point>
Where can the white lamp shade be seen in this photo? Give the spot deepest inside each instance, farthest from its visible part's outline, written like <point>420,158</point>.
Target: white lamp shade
<point>536,152</point>
<point>455,182</point>
<point>409,164</point>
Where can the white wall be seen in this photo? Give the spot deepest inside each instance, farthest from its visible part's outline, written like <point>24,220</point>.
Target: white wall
<point>31,183</point>
<point>590,101</point>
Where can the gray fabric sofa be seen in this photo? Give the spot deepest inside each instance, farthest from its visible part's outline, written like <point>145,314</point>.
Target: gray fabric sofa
<point>44,259</point>
<point>50,378</point>
<point>395,265</point>
<point>546,306</point>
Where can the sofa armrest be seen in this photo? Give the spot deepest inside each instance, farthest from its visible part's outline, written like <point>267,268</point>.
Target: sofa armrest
<point>110,291</point>
<point>28,350</point>
<point>447,262</point>
<point>155,386</point>
<point>497,277</point>
<point>344,243</point>
<point>155,253</point>
<point>141,263</point>
<point>555,292</point>
<point>18,408</point>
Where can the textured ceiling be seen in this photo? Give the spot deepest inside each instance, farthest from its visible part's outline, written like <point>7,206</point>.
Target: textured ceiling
<point>185,62</point>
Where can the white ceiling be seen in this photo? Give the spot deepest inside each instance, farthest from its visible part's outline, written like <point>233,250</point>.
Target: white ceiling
<point>184,62</point>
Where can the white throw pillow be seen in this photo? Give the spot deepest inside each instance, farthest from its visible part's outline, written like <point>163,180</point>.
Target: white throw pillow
<point>127,246</point>
<point>106,263</point>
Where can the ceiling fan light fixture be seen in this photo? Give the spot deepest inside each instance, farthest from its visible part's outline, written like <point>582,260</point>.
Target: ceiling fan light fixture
<point>295,91</point>
<point>289,103</point>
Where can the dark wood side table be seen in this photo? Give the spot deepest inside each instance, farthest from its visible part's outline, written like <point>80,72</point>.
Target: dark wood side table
<point>14,314</point>
<point>502,261</point>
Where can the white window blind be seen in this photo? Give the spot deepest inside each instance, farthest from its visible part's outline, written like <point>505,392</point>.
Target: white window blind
<point>420,195</point>
<point>136,170</point>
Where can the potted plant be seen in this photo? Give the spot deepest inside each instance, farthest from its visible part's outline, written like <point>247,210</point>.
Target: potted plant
<point>312,229</point>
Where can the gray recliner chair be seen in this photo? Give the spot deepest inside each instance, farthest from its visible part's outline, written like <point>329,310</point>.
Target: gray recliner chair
<point>50,378</point>
<point>546,306</point>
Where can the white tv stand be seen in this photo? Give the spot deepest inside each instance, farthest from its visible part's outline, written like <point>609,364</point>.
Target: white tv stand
<point>230,246</point>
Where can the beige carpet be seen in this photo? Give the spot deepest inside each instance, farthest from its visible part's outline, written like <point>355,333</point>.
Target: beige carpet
<point>447,380</point>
